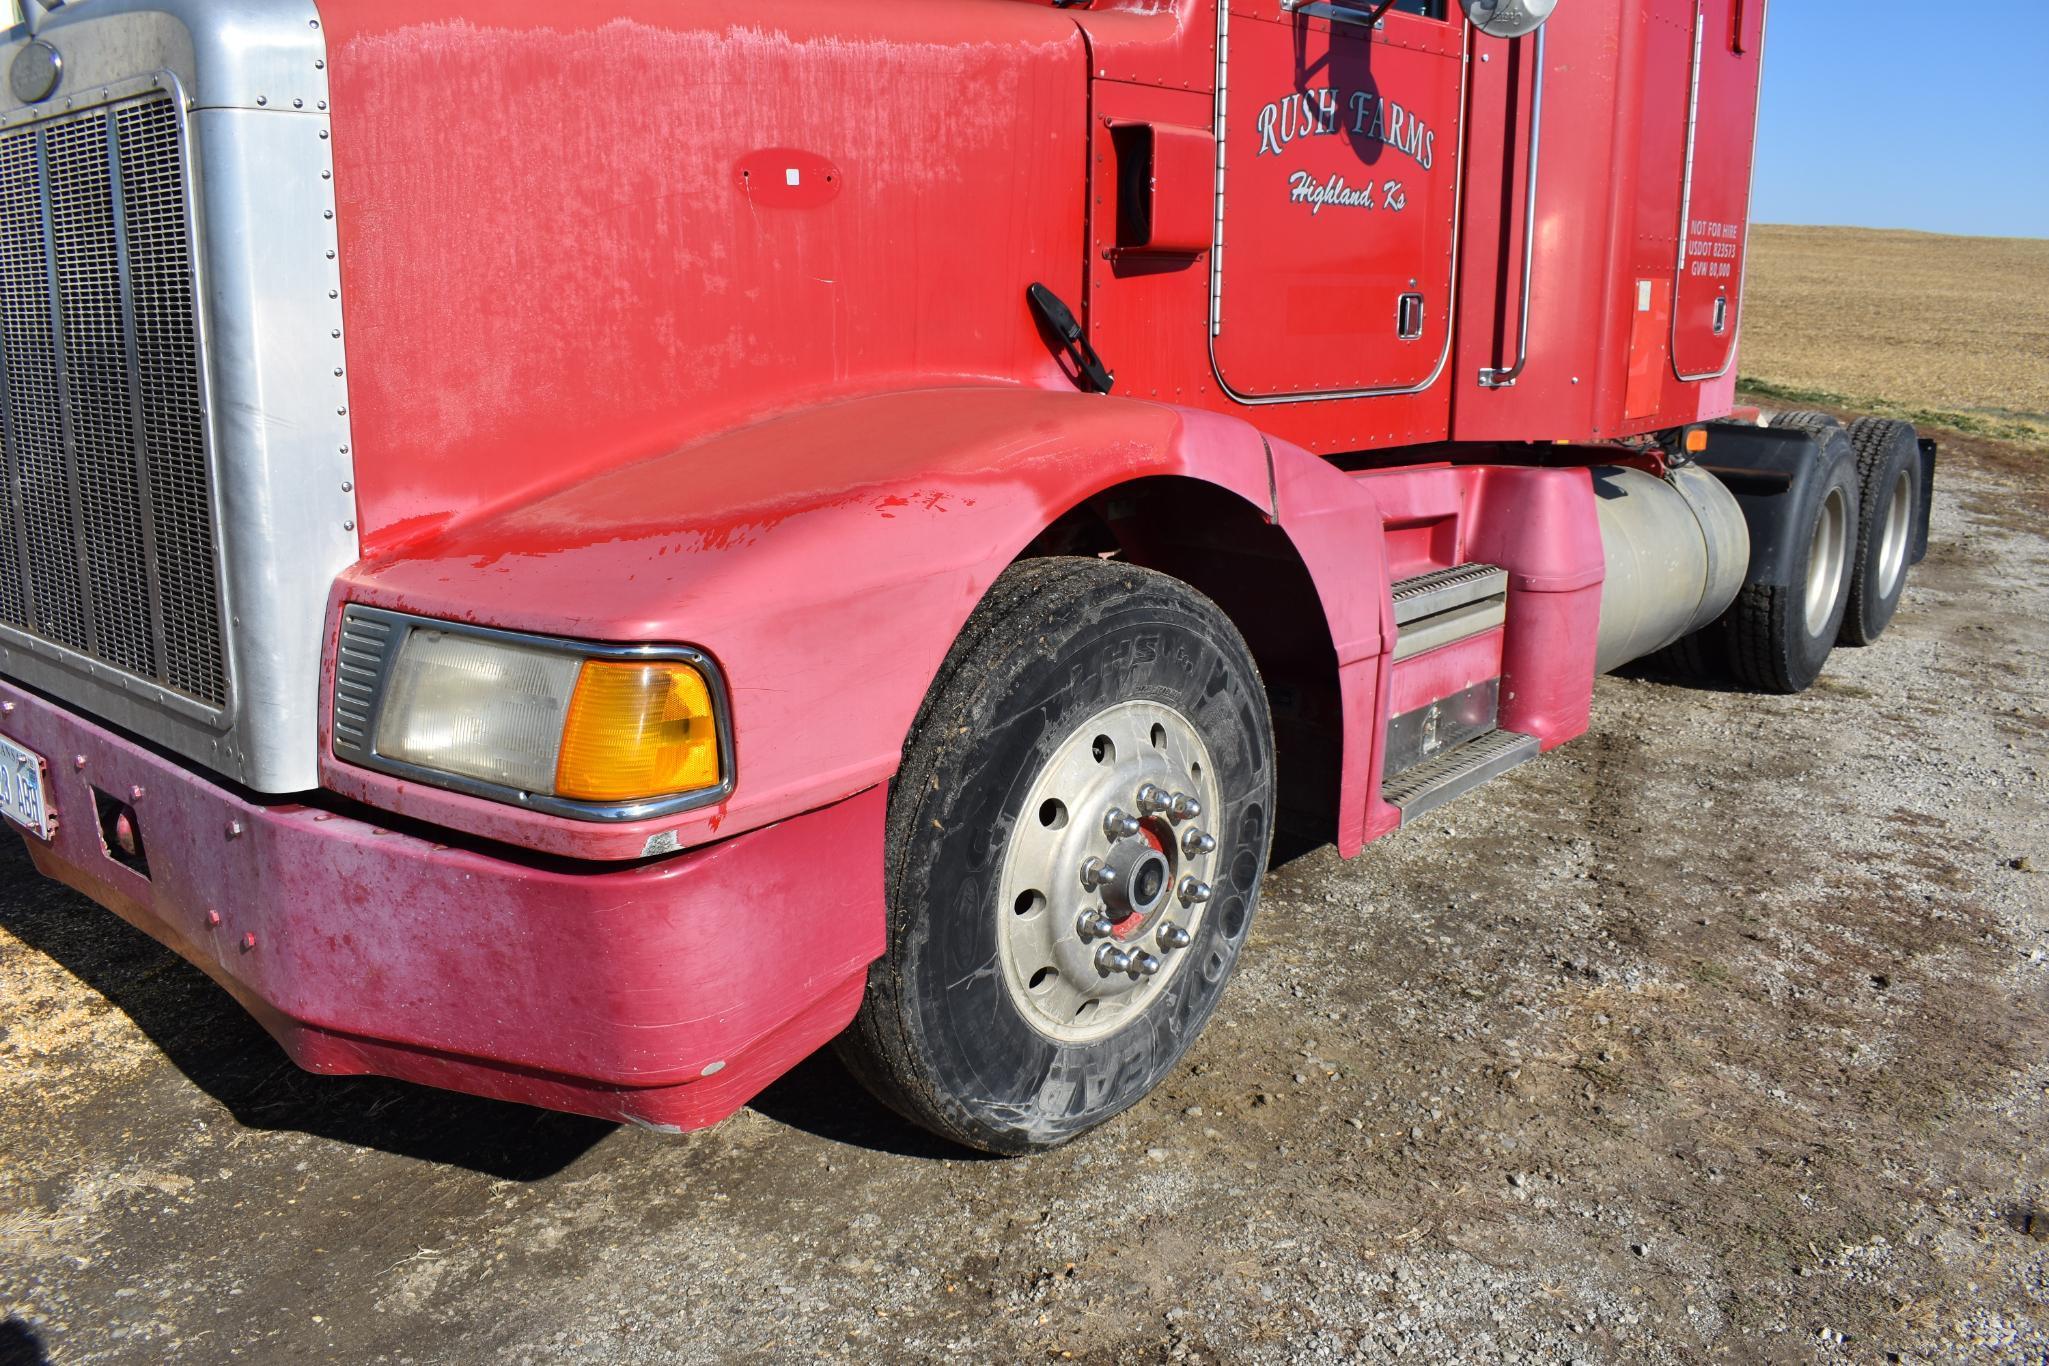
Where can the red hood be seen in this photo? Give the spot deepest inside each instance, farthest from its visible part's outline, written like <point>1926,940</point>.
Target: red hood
<point>570,239</point>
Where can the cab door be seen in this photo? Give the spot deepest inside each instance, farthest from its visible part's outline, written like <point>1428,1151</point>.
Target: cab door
<point>1339,185</point>
<point>1714,227</point>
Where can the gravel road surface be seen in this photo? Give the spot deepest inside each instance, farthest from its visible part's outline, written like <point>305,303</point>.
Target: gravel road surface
<point>1721,1033</point>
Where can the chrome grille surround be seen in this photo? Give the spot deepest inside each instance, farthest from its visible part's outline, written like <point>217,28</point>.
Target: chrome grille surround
<point>108,542</point>
<point>258,380</point>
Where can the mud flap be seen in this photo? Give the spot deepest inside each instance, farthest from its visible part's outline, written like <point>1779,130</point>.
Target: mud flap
<point>1930,450</point>
<point>1774,473</point>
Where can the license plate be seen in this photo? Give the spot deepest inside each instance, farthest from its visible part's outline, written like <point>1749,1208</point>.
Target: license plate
<point>22,799</point>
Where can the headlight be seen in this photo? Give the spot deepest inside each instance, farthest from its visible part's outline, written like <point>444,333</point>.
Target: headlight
<point>477,708</point>
<point>596,732</point>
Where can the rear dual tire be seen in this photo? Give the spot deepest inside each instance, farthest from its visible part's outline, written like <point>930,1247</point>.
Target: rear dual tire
<point>1888,455</point>
<point>1780,636</point>
<point>1889,485</point>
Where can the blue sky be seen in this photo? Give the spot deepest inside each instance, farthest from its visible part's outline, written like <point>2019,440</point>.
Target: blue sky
<point>1906,114</point>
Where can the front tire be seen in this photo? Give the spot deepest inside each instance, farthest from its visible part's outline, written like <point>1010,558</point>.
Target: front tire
<point>1023,998</point>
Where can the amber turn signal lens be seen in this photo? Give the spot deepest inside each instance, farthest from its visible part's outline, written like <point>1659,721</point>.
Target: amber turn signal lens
<point>1696,441</point>
<point>636,731</point>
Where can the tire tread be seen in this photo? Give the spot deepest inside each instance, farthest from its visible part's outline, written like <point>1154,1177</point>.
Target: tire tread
<point>1807,420</point>
<point>1874,440</point>
<point>1756,638</point>
<point>1031,601</point>
<point>1764,631</point>
<point>879,1058</point>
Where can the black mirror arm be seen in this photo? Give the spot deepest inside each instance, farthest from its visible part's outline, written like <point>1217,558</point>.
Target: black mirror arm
<point>1090,372</point>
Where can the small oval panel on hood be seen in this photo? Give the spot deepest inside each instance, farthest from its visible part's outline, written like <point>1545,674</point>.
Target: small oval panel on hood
<point>787,178</point>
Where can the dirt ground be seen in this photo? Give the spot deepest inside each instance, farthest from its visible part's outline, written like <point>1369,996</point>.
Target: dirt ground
<point>1723,1033</point>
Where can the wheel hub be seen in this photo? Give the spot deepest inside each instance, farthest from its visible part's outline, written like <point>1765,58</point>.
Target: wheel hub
<point>1899,531</point>
<point>1826,553</point>
<point>1143,876</point>
<point>1103,886</point>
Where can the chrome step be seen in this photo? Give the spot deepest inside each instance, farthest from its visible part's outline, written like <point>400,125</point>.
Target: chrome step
<point>1451,775</point>
<point>1449,628</point>
<point>1443,589</point>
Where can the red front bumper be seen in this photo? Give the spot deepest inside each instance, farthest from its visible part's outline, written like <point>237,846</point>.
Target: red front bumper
<point>665,994</point>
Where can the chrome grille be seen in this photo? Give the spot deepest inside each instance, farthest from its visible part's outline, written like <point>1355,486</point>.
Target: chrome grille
<point>106,512</point>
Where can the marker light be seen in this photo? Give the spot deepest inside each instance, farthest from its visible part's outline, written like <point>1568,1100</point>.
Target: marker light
<point>638,730</point>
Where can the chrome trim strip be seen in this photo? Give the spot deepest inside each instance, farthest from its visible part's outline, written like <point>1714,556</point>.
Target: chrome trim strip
<point>403,624</point>
<point>1686,175</point>
<point>1505,379</point>
<point>1216,252</point>
<point>1749,198</point>
<point>1458,209</point>
<point>281,402</point>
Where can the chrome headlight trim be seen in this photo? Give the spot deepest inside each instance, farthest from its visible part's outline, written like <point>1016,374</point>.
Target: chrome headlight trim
<point>368,648</point>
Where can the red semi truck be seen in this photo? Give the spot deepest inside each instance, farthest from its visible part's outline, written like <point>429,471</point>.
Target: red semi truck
<point>579,553</point>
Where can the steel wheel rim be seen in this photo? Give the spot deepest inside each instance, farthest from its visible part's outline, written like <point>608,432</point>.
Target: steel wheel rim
<point>1052,965</point>
<point>1825,556</point>
<point>1899,519</point>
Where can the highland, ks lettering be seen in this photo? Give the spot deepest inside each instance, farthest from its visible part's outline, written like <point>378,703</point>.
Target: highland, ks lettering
<point>1338,193</point>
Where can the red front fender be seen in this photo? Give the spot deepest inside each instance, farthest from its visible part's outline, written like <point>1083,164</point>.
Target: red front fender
<point>826,559</point>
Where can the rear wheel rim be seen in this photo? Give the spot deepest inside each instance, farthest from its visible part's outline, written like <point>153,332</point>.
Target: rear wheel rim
<point>1892,548</point>
<point>1825,555</point>
<point>1094,922</point>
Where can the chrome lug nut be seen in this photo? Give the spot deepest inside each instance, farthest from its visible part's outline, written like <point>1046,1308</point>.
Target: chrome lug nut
<point>1094,924</point>
<point>1110,958</point>
<point>1182,807</point>
<point>1096,873</point>
<point>1195,843</point>
<point>1153,798</point>
<point>1194,891</point>
<point>1119,824</point>
<point>1172,936</point>
<point>1144,965</point>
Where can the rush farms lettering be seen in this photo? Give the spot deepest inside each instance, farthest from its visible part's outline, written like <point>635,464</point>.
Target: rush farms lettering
<point>1325,110</point>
